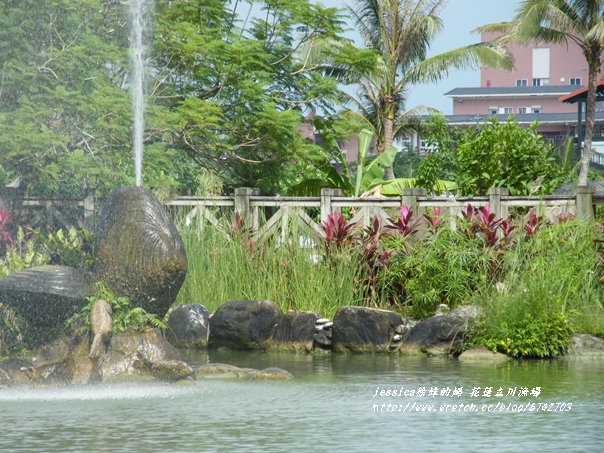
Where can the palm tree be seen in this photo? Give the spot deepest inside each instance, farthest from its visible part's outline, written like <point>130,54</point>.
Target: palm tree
<point>401,32</point>
<point>558,21</point>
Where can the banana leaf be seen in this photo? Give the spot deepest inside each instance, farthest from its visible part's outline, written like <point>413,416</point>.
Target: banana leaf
<point>395,187</point>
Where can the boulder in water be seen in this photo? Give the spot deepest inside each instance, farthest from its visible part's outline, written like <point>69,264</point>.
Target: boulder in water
<point>295,331</point>
<point>188,326</point>
<point>439,335</point>
<point>45,297</point>
<point>361,329</point>
<point>139,251</point>
<point>244,324</point>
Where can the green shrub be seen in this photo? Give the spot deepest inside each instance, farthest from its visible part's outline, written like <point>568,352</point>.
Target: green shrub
<point>11,337</point>
<point>125,317</point>
<point>32,248</point>
<point>23,253</point>
<point>549,287</point>
<point>545,335</point>
<point>446,268</point>
<point>506,155</point>
<point>72,248</point>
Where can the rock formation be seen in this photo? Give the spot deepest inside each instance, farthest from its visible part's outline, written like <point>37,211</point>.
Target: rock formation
<point>244,324</point>
<point>139,251</point>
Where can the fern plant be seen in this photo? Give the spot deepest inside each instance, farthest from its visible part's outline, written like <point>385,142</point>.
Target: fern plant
<point>125,317</point>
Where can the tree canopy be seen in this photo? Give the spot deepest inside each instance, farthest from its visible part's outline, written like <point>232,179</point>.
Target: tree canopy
<point>227,91</point>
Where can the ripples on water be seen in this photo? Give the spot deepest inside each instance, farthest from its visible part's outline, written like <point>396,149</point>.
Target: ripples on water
<point>326,407</point>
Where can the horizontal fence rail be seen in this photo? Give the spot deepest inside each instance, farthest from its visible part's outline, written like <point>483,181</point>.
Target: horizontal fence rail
<point>281,212</point>
<point>266,216</point>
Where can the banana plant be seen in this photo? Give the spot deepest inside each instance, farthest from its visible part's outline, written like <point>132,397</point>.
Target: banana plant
<point>369,175</point>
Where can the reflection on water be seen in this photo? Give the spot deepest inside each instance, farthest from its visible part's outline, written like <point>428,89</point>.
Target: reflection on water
<point>328,406</point>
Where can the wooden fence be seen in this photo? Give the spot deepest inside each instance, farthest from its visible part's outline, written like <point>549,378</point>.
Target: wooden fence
<point>267,216</point>
<point>288,211</point>
<point>54,212</point>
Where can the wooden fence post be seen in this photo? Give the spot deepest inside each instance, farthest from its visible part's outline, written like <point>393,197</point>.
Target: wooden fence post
<point>326,208</point>
<point>409,199</point>
<point>255,212</point>
<point>242,204</point>
<point>495,205</point>
<point>585,208</point>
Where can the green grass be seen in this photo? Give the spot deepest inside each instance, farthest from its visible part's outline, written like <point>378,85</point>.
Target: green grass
<point>223,269</point>
<point>552,281</point>
<point>552,289</point>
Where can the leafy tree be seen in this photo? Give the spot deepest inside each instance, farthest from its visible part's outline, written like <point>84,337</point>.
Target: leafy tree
<point>64,112</point>
<point>556,21</point>
<point>235,91</point>
<point>506,155</point>
<point>225,93</point>
<point>401,32</point>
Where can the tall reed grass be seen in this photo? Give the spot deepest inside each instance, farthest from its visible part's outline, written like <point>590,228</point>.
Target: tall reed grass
<point>222,268</point>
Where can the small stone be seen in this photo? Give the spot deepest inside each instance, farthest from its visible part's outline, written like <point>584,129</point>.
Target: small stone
<point>397,337</point>
<point>221,371</point>
<point>322,339</point>
<point>271,374</point>
<point>442,309</point>
<point>321,321</point>
<point>482,354</point>
<point>171,370</point>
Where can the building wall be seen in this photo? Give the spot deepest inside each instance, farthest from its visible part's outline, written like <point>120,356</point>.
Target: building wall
<point>566,62</point>
<point>483,106</point>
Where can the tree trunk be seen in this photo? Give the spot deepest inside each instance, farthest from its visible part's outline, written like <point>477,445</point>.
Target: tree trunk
<point>388,127</point>
<point>590,118</point>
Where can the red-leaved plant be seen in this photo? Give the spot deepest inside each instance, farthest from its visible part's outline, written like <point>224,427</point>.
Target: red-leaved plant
<point>434,219</point>
<point>338,233</point>
<point>533,223</point>
<point>5,218</point>
<point>488,225</point>
<point>239,230</point>
<point>405,225</point>
<point>506,228</point>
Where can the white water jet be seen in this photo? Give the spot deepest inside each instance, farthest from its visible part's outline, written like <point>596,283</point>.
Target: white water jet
<point>139,9</point>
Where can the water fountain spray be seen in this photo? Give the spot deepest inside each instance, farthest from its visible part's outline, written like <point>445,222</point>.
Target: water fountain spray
<point>138,10</point>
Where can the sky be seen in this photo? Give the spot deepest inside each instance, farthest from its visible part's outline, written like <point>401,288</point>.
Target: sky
<point>460,17</point>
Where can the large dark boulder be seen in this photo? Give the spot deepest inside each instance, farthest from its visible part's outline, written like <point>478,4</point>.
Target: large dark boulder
<point>244,324</point>
<point>188,326</point>
<point>139,251</point>
<point>45,297</point>
<point>295,331</point>
<point>360,329</point>
<point>442,334</point>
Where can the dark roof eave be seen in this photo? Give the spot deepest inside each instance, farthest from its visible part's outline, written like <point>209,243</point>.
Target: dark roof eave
<point>581,94</point>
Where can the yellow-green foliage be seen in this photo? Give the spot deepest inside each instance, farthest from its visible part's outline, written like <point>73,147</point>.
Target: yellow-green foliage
<point>22,254</point>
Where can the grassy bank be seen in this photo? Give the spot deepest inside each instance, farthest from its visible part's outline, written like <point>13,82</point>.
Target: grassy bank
<point>535,286</point>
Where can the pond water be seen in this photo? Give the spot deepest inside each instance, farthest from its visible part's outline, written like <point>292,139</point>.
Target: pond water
<point>329,406</point>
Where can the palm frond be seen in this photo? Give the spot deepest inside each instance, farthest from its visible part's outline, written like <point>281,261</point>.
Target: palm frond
<point>488,54</point>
